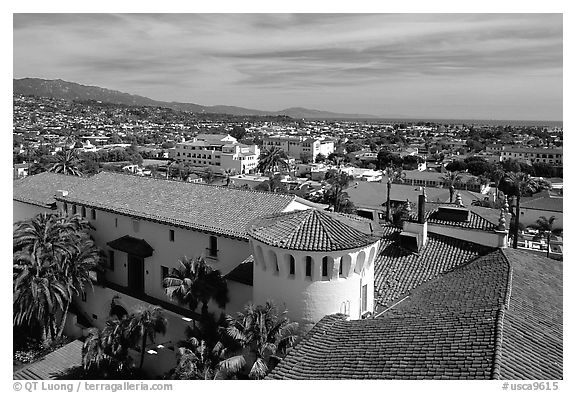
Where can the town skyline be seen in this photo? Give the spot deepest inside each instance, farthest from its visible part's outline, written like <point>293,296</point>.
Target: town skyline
<point>461,66</point>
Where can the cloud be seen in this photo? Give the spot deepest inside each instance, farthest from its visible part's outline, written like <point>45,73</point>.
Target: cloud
<point>209,57</point>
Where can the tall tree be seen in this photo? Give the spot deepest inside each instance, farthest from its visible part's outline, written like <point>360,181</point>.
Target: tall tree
<point>194,283</point>
<point>264,335</point>
<point>66,164</point>
<point>145,323</point>
<point>272,159</point>
<point>518,184</point>
<point>393,174</point>
<point>451,179</point>
<point>335,195</point>
<point>53,258</point>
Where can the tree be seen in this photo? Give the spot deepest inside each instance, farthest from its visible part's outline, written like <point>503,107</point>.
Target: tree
<point>272,159</point>
<point>227,173</point>
<point>273,184</point>
<point>67,164</point>
<point>451,179</point>
<point>392,175</point>
<point>144,324</point>
<point>335,195</point>
<point>320,157</point>
<point>264,336</point>
<point>544,227</point>
<point>53,259</point>
<point>208,176</point>
<point>518,184</point>
<point>196,282</point>
<point>238,132</point>
<point>456,166</point>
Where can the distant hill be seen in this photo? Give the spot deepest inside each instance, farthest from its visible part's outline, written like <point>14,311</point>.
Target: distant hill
<point>73,91</point>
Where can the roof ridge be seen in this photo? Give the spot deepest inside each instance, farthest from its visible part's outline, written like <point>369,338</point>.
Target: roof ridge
<point>499,326</point>
<point>290,196</point>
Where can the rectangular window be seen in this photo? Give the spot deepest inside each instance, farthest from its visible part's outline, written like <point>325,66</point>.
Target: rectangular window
<point>171,235</point>
<point>83,212</point>
<point>73,209</point>
<point>213,250</point>
<point>292,265</point>
<point>116,222</point>
<point>364,297</point>
<point>93,214</point>
<point>65,208</point>
<point>325,267</point>
<point>340,268</point>
<point>163,273</point>
<point>308,266</point>
<point>111,260</point>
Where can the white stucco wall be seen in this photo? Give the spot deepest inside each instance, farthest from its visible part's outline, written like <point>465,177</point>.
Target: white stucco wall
<point>308,299</point>
<point>23,211</point>
<point>187,243</point>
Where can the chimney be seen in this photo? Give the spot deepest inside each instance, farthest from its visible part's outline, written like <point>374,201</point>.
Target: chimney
<point>61,193</point>
<point>415,234</point>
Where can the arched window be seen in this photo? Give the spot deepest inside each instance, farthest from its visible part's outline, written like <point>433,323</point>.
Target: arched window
<point>345,265</point>
<point>308,266</point>
<point>291,265</point>
<point>260,257</point>
<point>273,261</point>
<point>325,267</point>
<point>360,262</point>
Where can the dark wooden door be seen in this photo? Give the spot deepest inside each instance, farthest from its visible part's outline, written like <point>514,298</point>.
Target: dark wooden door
<point>136,274</point>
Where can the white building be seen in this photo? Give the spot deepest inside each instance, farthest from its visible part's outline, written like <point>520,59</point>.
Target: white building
<point>218,152</point>
<point>532,155</point>
<point>297,145</point>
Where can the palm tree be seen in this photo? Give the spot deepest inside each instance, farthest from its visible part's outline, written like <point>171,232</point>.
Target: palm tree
<point>272,159</point>
<point>196,282</point>
<point>144,324</point>
<point>518,185</point>
<point>227,173</point>
<point>392,174</point>
<point>451,179</point>
<point>53,258</point>
<point>67,164</point>
<point>544,227</point>
<point>264,335</point>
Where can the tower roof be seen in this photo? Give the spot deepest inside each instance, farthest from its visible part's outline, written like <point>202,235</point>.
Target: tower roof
<point>313,230</point>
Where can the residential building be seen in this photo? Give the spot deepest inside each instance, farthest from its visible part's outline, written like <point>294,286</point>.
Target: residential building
<point>218,152</point>
<point>545,204</point>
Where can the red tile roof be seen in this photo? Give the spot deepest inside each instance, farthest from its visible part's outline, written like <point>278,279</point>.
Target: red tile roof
<point>495,317</point>
<point>397,271</point>
<point>40,189</point>
<point>219,210</point>
<point>313,230</point>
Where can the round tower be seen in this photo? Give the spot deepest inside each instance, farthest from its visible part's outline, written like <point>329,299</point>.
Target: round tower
<point>314,263</point>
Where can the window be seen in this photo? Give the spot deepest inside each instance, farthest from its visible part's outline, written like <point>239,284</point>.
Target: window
<point>111,260</point>
<point>93,214</point>
<point>116,222</point>
<point>340,268</point>
<point>292,265</point>
<point>83,212</point>
<point>213,250</point>
<point>65,207</point>
<point>325,267</point>
<point>308,266</point>
<point>171,232</point>
<point>364,297</point>
<point>163,273</point>
<point>73,209</point>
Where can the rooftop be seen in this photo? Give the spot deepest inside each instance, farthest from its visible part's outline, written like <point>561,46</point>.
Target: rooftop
<point>40,189</point>
<point>220,210</point>
<point>313,230</point>
<point>498,316</point>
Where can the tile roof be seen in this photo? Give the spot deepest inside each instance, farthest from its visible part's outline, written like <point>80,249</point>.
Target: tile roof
<point>495,317</point>
<point>40,189</point>
<point>480,218</point>
<point>54,363</point>
<point>243,273</point>
<point>543,202</point>
<point>532,329</point>
<point>313,230</point>
<point>220,210</point>
<point>397,271</point>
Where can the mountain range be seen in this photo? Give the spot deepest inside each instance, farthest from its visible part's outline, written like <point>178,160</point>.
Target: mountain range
<point>74,91</point>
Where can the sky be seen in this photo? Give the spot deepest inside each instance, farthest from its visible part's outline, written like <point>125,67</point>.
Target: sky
<point>457,66</point>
